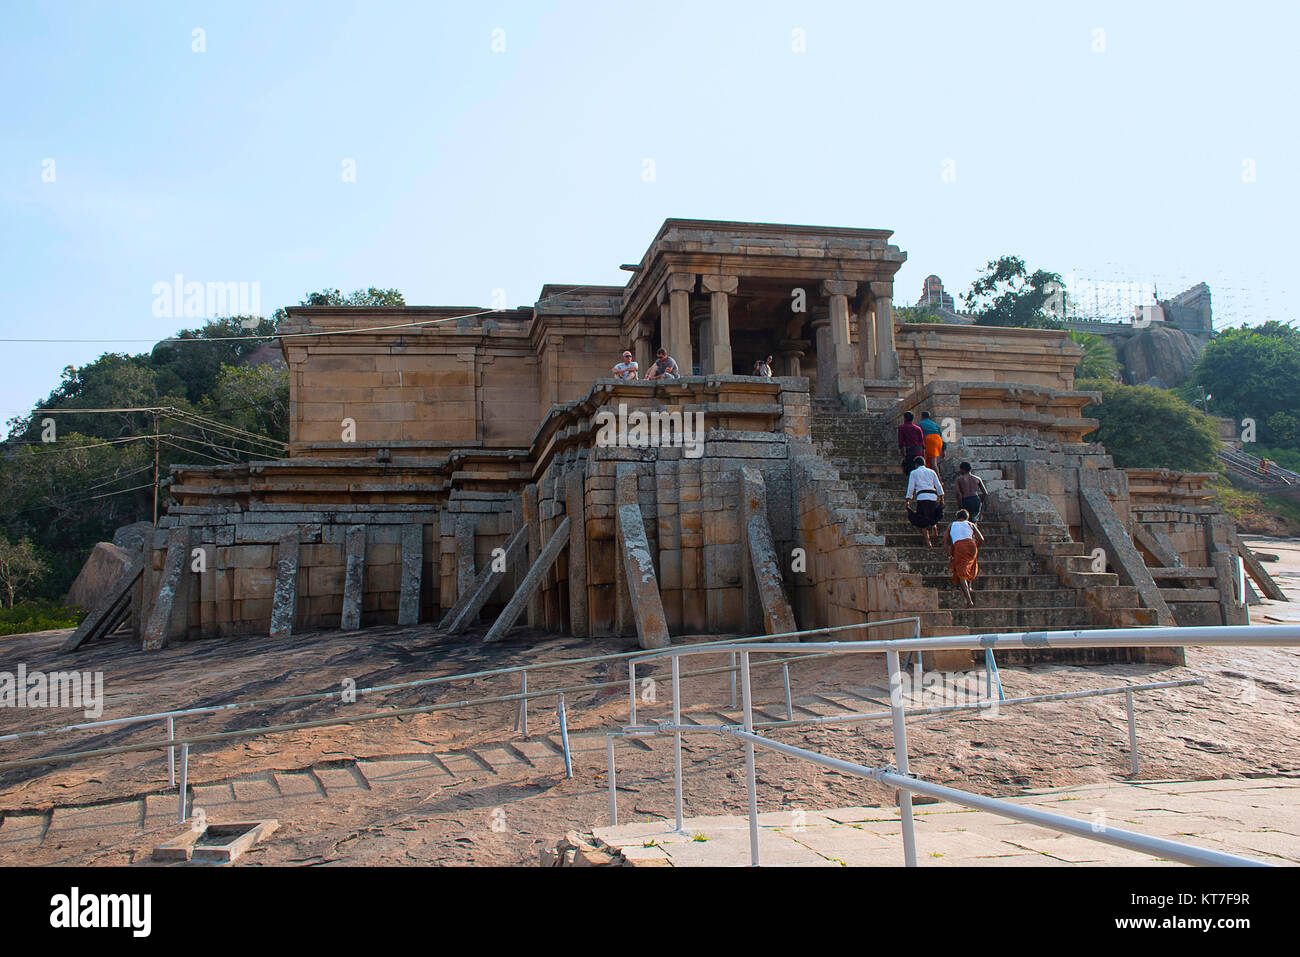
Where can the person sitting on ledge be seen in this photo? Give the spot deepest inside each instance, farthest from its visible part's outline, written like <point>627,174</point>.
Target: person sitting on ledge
<point>924,499</point>
<point>664,366</point>
<point>627,369</point>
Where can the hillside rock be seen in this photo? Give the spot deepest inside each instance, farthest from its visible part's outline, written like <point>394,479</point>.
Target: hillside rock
<point>134,536</point>
<point>1159,355</point>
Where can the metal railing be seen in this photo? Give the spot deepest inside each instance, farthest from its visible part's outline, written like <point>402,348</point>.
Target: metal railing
<point>900,776</point>
<point>173,743</point>
<point>1252,466</point>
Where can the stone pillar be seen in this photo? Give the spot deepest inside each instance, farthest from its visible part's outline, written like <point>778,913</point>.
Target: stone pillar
<point>825,347</point>
<point>703,323</point>
<point>789,352</point>
<point>665,321</point>
<point>886,366</point>
<point>642,350</point>
<point>867,336</point>
<point>680,286</point>
<point>838,292</point>
<point>719,288</point>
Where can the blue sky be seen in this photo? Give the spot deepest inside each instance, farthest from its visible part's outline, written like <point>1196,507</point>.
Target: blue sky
<point>1116,155</point>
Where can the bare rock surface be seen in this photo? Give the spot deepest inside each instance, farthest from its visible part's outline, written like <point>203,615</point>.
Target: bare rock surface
<point>461,787</point>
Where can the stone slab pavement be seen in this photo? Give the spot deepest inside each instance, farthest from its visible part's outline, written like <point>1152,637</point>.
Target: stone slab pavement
<point>1257,818</point>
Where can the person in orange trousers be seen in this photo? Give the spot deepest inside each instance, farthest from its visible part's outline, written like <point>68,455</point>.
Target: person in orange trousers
<point>964,540</point>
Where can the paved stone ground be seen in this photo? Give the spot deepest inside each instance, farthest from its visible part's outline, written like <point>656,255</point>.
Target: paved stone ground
<point>458,787</point>
<point>1259,819</point>
<point>1286,572</point>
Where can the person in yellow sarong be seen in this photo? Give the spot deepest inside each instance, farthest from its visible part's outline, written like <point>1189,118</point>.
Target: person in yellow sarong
<point>964,540</point>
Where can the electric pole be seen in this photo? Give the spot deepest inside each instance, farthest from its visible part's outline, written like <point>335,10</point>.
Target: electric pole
<point>155,469</point>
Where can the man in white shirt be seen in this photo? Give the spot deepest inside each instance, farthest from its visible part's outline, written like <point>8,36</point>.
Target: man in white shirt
<point>964,540</point>
<point>924,499</point>
<point>626,369</point>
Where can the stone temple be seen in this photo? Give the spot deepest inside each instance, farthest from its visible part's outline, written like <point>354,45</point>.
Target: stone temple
<point>453,465</point>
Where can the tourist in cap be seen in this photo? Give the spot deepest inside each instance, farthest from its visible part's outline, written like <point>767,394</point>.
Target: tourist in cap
<point>924,499</point>
<point>763,368</point>
<point>971,491</point>
<point>933,440</point>
<point>911,442</point>
<point>627,369</point>
<point>964,541</point>
<point>664,366</point>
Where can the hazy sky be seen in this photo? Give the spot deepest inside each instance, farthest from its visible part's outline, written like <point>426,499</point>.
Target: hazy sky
<point>1123,142</point>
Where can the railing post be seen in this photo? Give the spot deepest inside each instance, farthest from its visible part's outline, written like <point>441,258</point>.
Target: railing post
<point>185,774</point>
<point>609,760</point>
<point>733,681</point>
<point>171,753</point>
<point>789,704</point>
<point>523,704</point>
<point>564,736</point>
<point>677,739</point>
<point>1132,734</point>
<point>900,756</point>
<point>751,777</point>
<point>631,690</point>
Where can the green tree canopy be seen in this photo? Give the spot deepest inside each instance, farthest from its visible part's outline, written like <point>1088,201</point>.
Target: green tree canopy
<point>1254,372</point>
<point>20,565</point>
<point>1007,295</point>
<point>1098,361</point>
<point>1144,427</point>
<point>97,474</point>
<point>916,314</point>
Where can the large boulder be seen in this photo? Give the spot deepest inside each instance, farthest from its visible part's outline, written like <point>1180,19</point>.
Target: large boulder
<point>102,568</point>
<point>133,537</point>
<point>1159,355</point>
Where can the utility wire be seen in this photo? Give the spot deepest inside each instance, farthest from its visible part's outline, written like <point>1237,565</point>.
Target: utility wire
<point>212,423</point>
<point>227,448</point>
<point>297,335</point>
<point>200,454</point>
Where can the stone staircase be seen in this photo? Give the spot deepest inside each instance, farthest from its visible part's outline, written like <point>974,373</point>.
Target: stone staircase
<point>1018,588</point>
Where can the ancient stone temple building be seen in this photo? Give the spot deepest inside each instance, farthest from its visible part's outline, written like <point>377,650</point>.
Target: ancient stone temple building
<point>477,468</point>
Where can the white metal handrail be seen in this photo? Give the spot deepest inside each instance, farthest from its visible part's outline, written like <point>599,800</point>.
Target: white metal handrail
<point>900,776</point>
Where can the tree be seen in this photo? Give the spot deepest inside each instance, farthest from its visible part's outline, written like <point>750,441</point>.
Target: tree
<point>19,566</point>
<point>358,297</point>
<point>1254,372</point>
<point>253,398</point>
<point>916,314</point>
<point>1098,361</point>
<point>1006,295</point>
<point>1144,427</point>
<point>97,474</point>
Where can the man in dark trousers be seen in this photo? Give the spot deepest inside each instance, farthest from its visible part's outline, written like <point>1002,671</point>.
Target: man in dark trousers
<point>911,442</point>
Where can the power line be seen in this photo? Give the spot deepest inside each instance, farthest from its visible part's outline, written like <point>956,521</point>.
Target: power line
<point>54,504</point>
<point>74,448</point>
<point>182,416</point>
<point>227,448</point>
<point>200,454</point>
<point>298,335</point>
<point>212,423</point>
<point>118,478</point>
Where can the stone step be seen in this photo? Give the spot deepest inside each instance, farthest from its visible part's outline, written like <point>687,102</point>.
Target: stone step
<point>951,596</point>
<point>939,553</point>
<point>1018,569</point>
<point>980,618</point>
<point>992,532</point>
<point>997,582</point>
